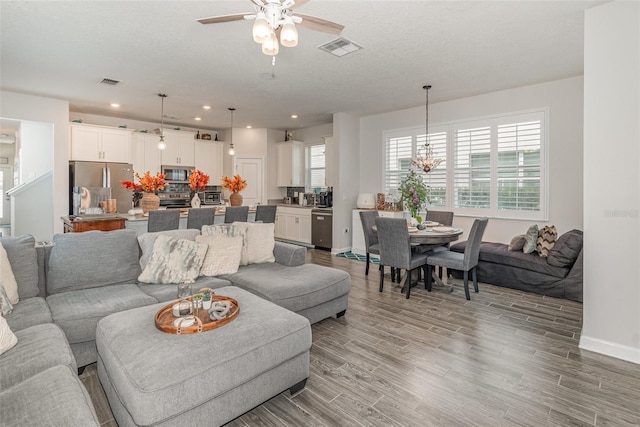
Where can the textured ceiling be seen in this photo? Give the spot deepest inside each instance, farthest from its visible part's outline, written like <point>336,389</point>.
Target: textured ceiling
<point>463,48</point>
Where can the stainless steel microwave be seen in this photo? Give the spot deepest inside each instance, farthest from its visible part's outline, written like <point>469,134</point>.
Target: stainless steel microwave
<point>210,197</point>
<point>176,173</point>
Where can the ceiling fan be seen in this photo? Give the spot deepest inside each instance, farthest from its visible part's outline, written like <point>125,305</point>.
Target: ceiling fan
<point>275,23</point>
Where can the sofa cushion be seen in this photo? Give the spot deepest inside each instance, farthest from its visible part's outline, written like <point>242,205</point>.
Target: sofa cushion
<point>566,249</point>
<point>147,240</point>
<point>223,255</point>
<point>499,253</point>
<point>39,348</point>
<point>7,279</point>
<point>546,239</point>
<point>174,261</point>
<point>29,312</point>
<point>92,259</point>
<point>230,230</point>
<point>7,338</point>
<point>169,292</point>
<point>531,239</point>
<point>78,312</point>
<point>55,397</point>
<point>294,288</point>
<point>22,255</point>
<point>517,243</point>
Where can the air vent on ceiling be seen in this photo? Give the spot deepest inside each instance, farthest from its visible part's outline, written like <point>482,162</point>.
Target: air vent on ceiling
<point>110,82</point>
<point>340,47</point>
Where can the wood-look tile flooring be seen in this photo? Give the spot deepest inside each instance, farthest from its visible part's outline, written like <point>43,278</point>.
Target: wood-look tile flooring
<point>504,358</point>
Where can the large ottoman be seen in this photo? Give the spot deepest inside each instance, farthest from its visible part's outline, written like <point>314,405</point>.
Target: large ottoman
<point>152,378</point>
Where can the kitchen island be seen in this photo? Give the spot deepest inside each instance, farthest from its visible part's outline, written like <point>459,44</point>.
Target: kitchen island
<point>139,222</point>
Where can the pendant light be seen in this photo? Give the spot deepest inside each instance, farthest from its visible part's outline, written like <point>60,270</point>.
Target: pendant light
<point>231,150</point>
<point>161,144</point>
<point>428,162</point>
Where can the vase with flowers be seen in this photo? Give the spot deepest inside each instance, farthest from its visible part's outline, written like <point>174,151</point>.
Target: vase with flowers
<point>235,185</point>
<point>414,194</point>
<point>198,181</point>
<point>149,186</point>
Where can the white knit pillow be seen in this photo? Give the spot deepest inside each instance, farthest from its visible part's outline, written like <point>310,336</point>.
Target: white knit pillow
<point>173,260</point>
<point>223,255</point>
<point>7,279</point>
<point>7,338</point>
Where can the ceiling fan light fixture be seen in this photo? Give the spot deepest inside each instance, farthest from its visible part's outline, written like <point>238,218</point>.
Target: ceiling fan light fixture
<point>271,46</point>
<point>289,33</point>
<point>261,28</point>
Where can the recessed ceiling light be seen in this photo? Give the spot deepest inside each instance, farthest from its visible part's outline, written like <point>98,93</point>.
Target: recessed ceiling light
<point>294,116</point>
<point>115,105</point>
<point>206,107</point>
<point>249,126</point>
<point>197,118</point>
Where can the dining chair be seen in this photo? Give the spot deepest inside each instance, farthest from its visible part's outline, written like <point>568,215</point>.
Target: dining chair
<point>163,220</point>
<point>442,218</point>
<point>266,213</point>
<point>368,220</point>
<point>395,250</point>
<point>236,213</point>
<point>466,261</point>
<point>199,217</point>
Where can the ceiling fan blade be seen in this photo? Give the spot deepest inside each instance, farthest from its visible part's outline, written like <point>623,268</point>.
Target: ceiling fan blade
<point>319,24</point>
<point>298,4</point>
<point>222,18</point>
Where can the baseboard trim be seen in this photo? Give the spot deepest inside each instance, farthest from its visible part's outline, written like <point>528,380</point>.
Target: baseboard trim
<point>608,348</point>
<point>335,251</point>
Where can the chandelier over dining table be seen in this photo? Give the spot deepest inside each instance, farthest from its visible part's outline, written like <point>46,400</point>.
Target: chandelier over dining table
<point>427,162</point>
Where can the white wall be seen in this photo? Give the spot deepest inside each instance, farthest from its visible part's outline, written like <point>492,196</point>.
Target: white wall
<point>612,181</point>
<point>564,100</point>
<point>273,191</point>
<point>36,150</point>
<point>34,108</point>
<point>314,135</point>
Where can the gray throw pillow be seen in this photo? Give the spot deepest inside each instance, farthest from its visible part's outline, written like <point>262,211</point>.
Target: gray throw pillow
<point>517,243</point>
<point>22,255</point>
<point>531,238</point>
<point>566,250</point>
<point>147,240</point>
<point>174,261</point>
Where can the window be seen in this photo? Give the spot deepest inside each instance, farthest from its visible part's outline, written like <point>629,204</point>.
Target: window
<point>314,167</point>
<point>497,165</point>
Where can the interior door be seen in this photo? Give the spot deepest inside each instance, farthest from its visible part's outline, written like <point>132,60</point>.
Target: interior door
<point>251,170</point>
<point>6,182</point>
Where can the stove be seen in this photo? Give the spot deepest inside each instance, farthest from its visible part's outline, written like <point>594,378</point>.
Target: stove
<point>175,200</point>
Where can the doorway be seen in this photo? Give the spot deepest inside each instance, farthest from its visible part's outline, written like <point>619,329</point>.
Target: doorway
<point>251,169</point>
<point>6,183</point>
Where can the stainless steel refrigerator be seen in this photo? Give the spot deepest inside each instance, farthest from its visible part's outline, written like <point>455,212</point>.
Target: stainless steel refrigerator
<point>101,174</point>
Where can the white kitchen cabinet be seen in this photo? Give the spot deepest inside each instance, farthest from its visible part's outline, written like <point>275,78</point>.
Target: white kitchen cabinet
<point>145,154</point>
<point>293,224</point>
<point>290,164</point>
<point>180,148</point>
<point>99,143</point>
<point>208,158</point>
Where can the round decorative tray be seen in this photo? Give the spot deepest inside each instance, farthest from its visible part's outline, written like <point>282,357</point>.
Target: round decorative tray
<point>165,318</point>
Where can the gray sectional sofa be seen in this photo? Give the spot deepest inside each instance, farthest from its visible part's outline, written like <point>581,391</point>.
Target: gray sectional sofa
<point>68,287</point>
<point>557,275</point>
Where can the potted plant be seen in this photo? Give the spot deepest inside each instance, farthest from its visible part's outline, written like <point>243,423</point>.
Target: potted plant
<point>197,303</point>
<point>414,194</point>
<point>149,185</point>
<point>206,299</point>
<point>198,181</point>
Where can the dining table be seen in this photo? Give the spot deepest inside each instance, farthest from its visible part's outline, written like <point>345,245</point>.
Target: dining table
<point>432,236</point>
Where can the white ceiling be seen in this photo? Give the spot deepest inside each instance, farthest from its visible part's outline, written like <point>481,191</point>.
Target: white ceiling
<point>63,49</point>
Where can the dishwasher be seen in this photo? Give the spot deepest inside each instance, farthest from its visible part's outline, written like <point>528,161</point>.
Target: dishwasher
<point>322,227</point>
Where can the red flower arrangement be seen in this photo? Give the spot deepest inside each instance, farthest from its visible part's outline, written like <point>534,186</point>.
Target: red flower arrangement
<point>198,180</point>
<point>148,183</point>
<point>235,184</point>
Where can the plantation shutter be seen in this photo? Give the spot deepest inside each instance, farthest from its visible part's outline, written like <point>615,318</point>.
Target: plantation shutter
<point>472,167</point>
<point>519,166</point>
<point>436,180</point>
<point>398,153</point>
<point>315,166</point>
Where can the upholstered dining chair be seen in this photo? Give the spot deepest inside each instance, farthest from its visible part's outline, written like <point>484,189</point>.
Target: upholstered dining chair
<point>395,249</point>
<point>236,213</point>
<point>163,220</point>
<point>442,218</point>
<point>368,219</point>
<point>466,261</point>
<point>199,217</point>
<point>266,213</point>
